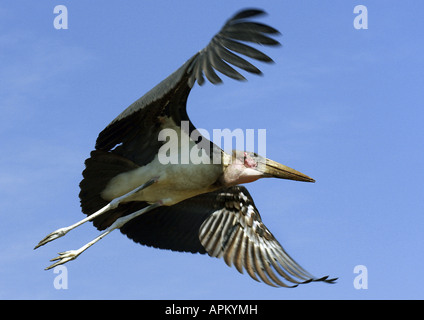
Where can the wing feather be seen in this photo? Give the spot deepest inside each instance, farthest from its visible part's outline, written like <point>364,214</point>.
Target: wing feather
<point>218,49</point>
<point>244,49</point>
<point>245,242</point>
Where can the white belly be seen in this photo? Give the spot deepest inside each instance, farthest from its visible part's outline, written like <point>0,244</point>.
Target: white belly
<point>176,182</point>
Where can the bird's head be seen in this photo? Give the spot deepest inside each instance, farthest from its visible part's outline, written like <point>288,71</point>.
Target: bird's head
<point>244,167</point>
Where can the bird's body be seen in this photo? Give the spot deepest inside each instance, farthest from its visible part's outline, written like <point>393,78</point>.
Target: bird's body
<point>173,184</point>
<point>191,205</point>
<point>176,181</point>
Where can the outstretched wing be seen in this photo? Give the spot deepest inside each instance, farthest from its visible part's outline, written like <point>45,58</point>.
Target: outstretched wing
<point>224,224</point>
<point>235,232</point>
<point>137,127</point>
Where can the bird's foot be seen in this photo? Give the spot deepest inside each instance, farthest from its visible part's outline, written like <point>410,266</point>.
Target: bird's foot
<point>52,236</point>
<point>64,257</point>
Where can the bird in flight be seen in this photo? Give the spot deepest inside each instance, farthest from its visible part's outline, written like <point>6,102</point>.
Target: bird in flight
<point>185,206</point>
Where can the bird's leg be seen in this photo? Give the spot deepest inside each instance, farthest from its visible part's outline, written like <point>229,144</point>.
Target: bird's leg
<point>73,254</point>
<point>111,205</point>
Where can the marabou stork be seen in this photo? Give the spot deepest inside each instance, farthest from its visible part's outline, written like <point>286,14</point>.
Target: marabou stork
<point>198,208</point>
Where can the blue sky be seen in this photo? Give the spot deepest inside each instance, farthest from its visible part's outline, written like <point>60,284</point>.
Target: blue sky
<point>344,106</point>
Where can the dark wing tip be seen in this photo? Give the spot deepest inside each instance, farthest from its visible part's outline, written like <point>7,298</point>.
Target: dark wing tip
<point>247,13</point>
<point>222,51</point>
<point>326,280</point>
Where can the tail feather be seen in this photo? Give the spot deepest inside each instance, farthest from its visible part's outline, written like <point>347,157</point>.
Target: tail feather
<point>101,167</point>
